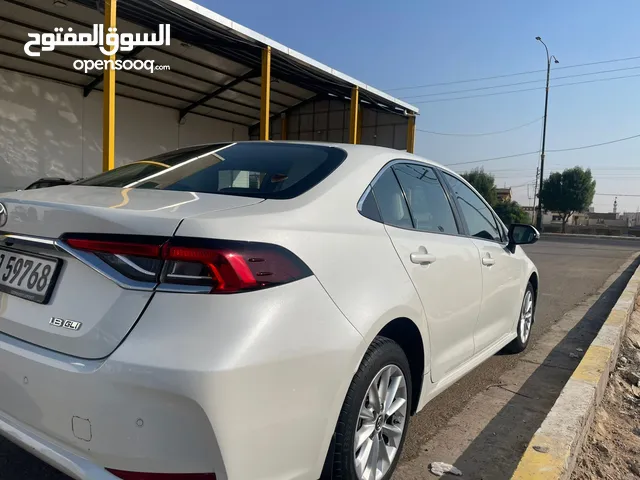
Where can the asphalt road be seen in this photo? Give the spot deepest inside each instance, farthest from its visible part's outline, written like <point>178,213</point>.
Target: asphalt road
<point>570,270</point>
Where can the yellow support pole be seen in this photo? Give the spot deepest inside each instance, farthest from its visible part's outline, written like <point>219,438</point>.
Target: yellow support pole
<point>109,96</point>
<point>283,126</point>
<point>353,123</point>
<point>411,134</point>
<point>359,134</point>
<point>265,97</point>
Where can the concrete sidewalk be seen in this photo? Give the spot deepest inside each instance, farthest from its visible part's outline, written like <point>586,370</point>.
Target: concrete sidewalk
<point>553,450</point>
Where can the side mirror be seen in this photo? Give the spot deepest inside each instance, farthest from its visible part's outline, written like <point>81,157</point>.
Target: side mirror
<point>522,234</point>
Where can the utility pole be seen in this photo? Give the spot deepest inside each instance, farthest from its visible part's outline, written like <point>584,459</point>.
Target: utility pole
<point>544,131</point>
<point>535,189</point>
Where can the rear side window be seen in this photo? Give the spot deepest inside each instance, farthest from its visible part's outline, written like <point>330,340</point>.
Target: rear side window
<point>391,202</point>
<point>265,170</point>
<point>369,207</point>
<point>430,207</point>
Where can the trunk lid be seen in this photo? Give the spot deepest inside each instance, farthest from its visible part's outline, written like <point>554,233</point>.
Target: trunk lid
<point>87,315</point>
<point>50,212</point>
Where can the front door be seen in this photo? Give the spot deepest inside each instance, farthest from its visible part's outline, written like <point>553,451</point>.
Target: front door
<point>443,265</point>
<point>501,275</point>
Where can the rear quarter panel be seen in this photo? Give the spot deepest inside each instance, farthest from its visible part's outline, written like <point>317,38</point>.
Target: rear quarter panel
<point>352,256</point>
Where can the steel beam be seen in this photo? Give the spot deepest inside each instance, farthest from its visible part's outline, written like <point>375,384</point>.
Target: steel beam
<point>96,81</point>
<point>355,110</point>
<point>283,126</point>
<point>411,134</point>
<point>218,91</point>
<point>359,134</point>
<point>109,96</point>
<point>265,95</point>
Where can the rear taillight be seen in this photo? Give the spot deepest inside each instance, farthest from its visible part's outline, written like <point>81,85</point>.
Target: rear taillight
<point>138,260</point>
<point>214,266</point>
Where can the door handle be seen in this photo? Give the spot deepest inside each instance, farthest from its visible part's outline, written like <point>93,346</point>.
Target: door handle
<point>488,261</point>
<point>422,257</point>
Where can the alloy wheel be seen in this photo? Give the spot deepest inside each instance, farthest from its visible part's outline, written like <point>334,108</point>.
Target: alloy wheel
<point>381,424</point>
<point>526,316</point>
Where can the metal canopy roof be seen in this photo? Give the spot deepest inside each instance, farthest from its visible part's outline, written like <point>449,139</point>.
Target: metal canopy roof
<point>215,63</point>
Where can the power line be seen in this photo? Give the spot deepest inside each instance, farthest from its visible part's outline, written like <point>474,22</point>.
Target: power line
<point>493,158</point>
<point>555,165</point>
<point>509,74</point>
<point>618,195</point>
<point>582,147</point>
<point>525,89</point>
<point>480,134</point>
<point>450,92</point>
<point>595,144</point>
<point>521,185</point>
<point>596,176</point>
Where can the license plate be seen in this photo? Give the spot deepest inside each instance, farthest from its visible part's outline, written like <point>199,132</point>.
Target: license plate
<point>27,275</point>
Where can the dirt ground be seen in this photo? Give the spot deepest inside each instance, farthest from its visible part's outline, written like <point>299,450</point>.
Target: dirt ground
<point>612,448</point>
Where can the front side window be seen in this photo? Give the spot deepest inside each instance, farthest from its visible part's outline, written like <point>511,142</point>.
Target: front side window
<point>264,170</point>
<point>429,205</point>
<point>479,217</point>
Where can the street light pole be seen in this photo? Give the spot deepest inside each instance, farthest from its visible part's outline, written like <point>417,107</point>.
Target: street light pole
<point>544,132</point>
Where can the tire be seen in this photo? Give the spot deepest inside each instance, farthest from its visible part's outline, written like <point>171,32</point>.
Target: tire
<point>383,356</point>
<point>519,344</point>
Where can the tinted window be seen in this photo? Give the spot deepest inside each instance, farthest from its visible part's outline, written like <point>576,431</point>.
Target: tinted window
<point>369,207</point>
<point>430,207</point>
<point>478,215</point>
<point>391,202</point>
<point>265,170</point>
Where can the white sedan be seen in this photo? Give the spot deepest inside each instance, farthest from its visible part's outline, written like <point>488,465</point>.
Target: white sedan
<point>249,311</point>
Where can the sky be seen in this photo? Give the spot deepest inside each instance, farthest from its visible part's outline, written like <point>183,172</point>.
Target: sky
<point>395,44</point>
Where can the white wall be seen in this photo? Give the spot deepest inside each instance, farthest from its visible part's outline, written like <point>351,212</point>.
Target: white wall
<point>48,129</point>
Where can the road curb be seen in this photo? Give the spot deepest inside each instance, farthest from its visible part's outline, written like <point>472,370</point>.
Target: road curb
<point>586,235</point>
<point>554,448</point>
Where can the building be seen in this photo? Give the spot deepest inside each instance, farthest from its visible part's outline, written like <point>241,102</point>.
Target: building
<point>633,218</point>
<point>607,220</point>
<point>555,218</point>
<point>504,194</point>
<point>210,80</point>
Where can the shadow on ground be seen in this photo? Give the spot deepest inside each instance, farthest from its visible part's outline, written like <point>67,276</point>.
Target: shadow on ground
<point>496,451</point>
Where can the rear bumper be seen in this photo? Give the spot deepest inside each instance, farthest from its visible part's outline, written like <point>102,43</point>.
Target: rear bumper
<point>45,449</point>
<point>246,386</point>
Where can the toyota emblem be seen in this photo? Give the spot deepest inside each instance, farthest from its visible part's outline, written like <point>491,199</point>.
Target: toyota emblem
<point>4,216</point>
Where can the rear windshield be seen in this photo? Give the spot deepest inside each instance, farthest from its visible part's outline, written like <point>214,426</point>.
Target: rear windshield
<point>265,170</point>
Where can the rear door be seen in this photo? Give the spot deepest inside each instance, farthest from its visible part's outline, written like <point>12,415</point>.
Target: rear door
<point>442,264</point>
<point>501,270</point>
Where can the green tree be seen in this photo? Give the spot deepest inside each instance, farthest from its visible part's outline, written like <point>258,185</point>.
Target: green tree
<point>568,192</point>
<point>508,211</point>
<point>511,212</point>
<point>484,183</point>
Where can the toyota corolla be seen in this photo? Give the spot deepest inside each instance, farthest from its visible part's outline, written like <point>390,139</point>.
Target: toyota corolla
<point>249,311</point>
